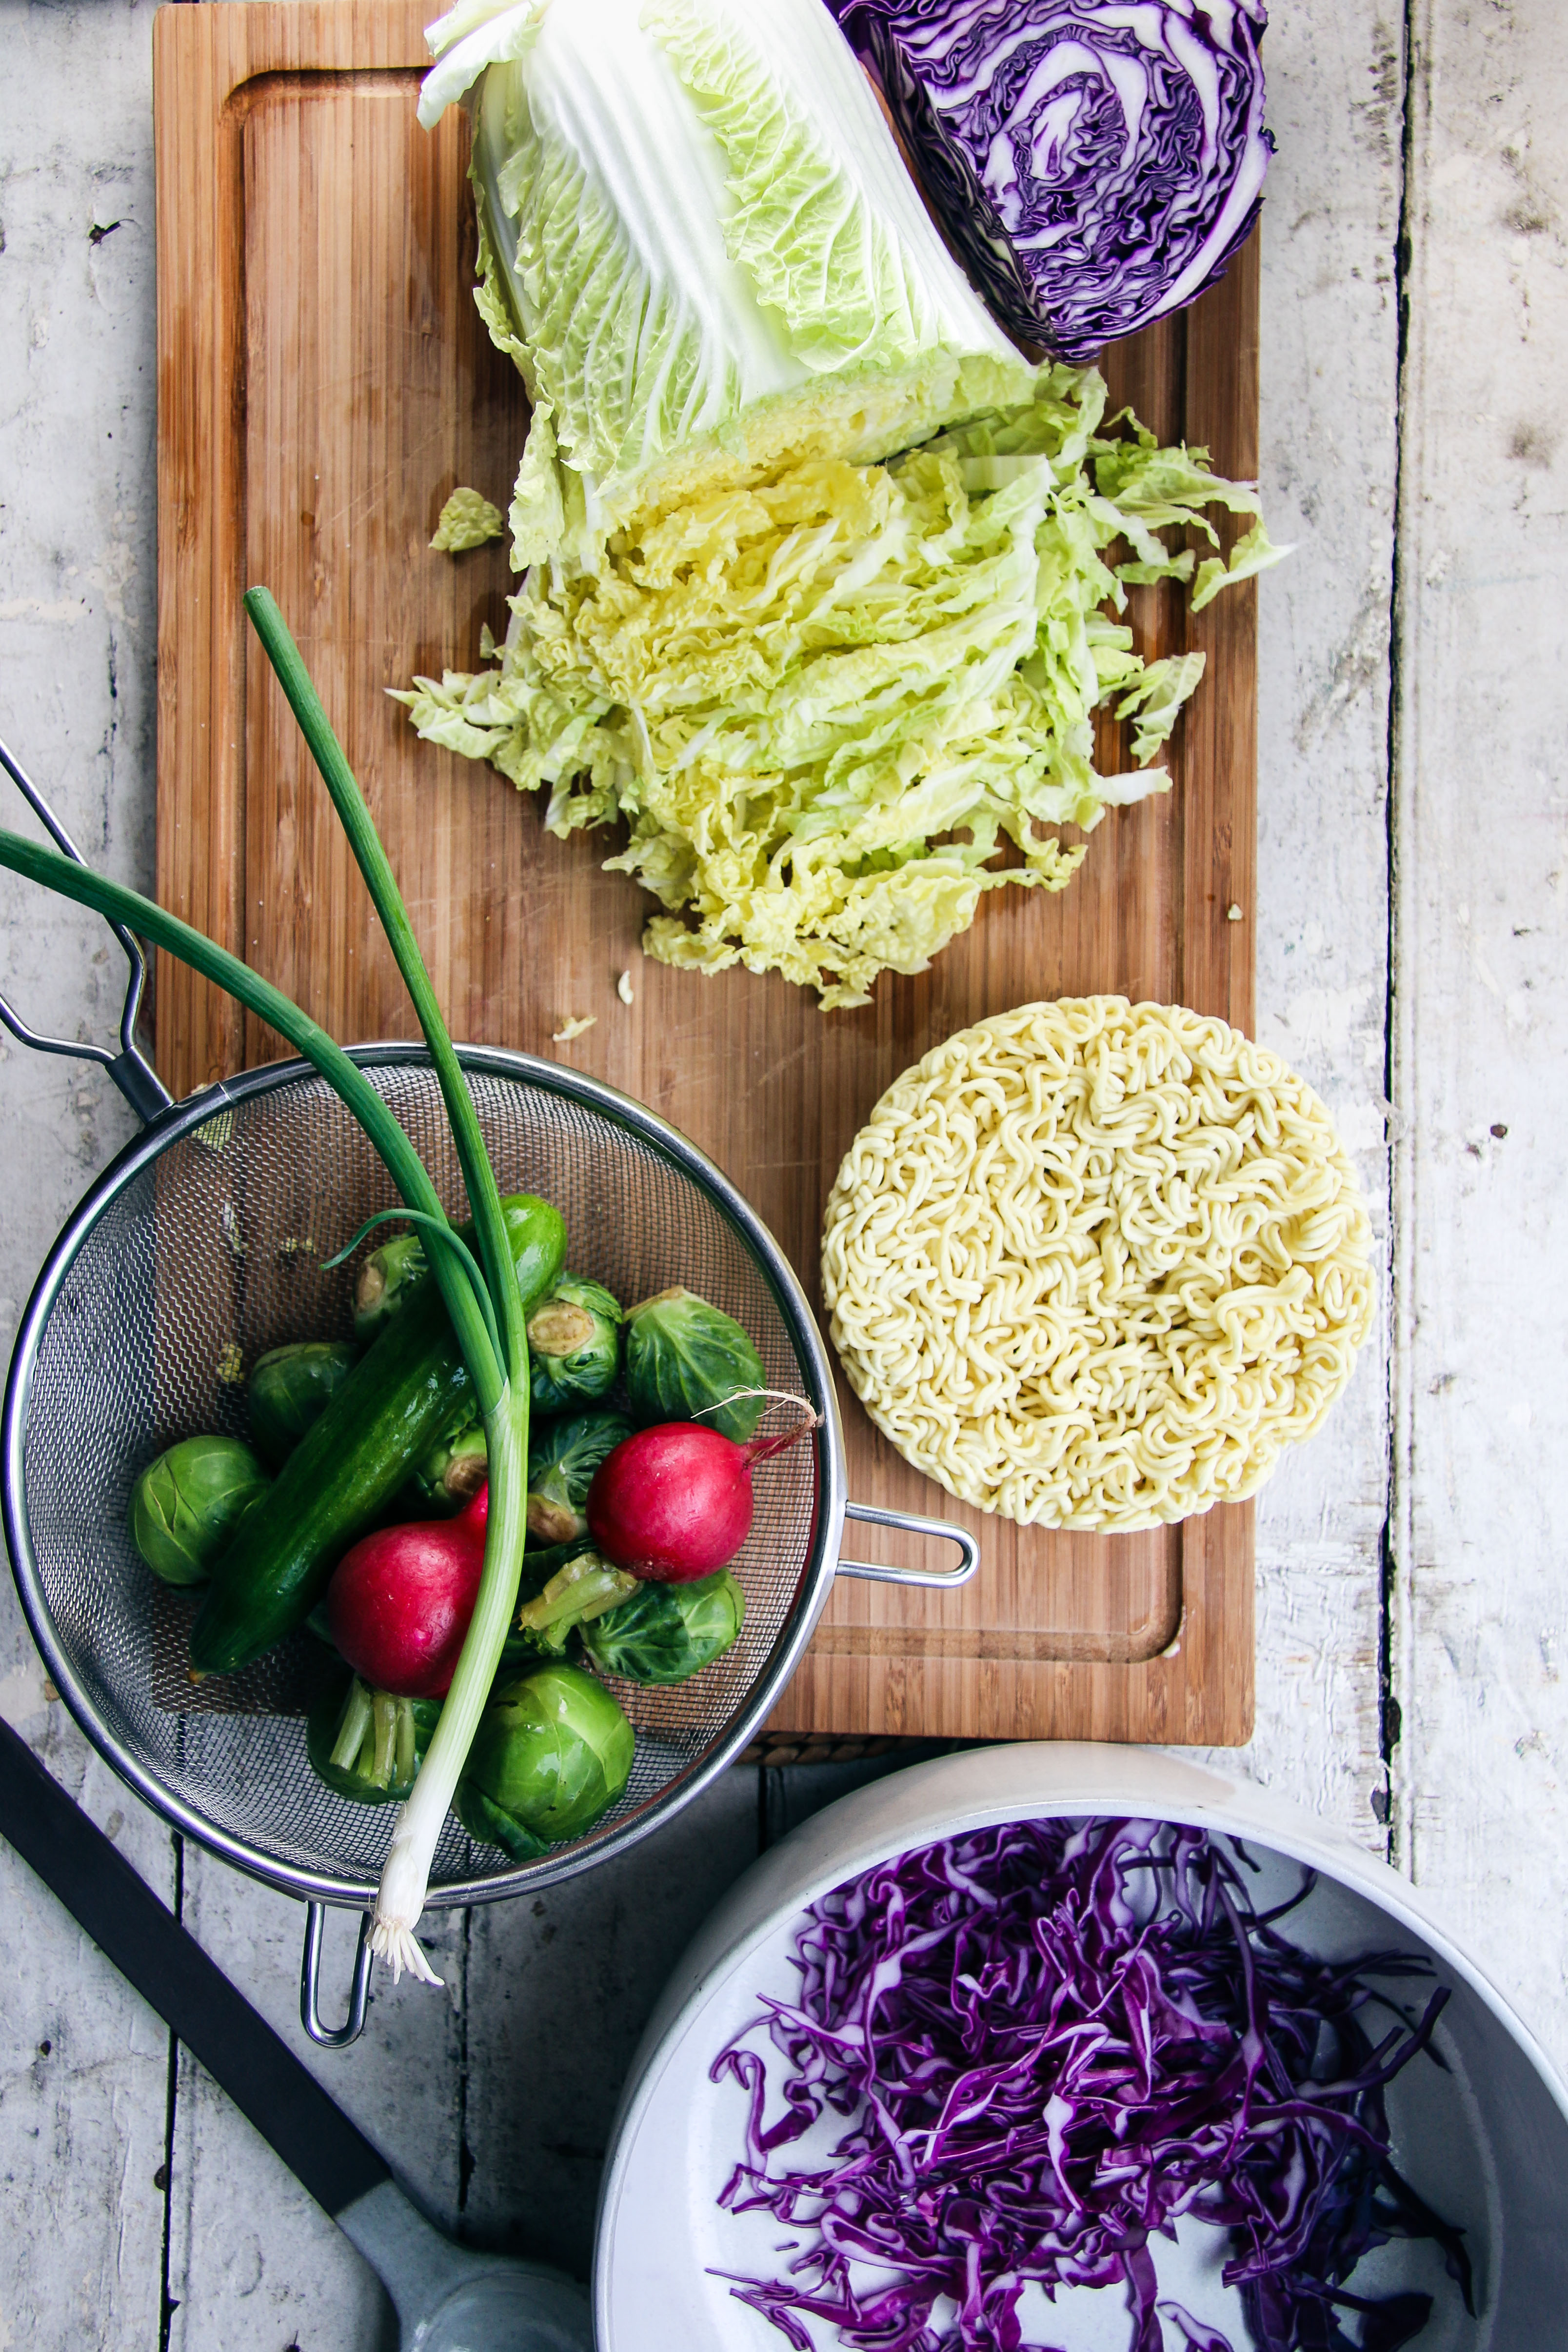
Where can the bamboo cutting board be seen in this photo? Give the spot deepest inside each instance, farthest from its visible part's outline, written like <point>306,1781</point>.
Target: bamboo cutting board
<point>324,381</point>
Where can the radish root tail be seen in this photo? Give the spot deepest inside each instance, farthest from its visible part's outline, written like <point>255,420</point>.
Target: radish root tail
<point>780,1396</point>
<point>759,1448</point>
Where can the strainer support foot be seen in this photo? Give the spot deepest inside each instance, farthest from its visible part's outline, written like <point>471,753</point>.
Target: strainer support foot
<point>329,2037</point>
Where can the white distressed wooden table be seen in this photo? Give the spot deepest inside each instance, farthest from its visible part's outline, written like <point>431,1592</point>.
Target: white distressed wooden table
<point>1413,1631</point>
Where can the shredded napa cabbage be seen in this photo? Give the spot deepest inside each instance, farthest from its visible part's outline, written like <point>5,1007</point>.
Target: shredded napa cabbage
<point>825,695</point>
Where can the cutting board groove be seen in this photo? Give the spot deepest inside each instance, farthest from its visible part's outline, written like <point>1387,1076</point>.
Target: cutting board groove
<point>324,381</point>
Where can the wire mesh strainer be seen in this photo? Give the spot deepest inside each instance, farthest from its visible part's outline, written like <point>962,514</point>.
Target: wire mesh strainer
<point>202,1246</point>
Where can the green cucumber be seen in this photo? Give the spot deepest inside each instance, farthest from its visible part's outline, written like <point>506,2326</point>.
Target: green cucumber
<point>403,1393</point>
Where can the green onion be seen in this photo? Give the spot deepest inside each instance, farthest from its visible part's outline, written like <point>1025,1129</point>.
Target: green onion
<point>485,1309</point>
<point>503,1395</point>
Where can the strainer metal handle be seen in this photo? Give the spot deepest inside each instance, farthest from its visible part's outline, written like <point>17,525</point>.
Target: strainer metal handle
<point>130,1068</point>
<point>331,2037</point>
<point>910,1523</point>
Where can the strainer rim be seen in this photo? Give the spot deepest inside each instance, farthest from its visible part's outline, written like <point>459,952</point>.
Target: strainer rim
<point>157,1137</point>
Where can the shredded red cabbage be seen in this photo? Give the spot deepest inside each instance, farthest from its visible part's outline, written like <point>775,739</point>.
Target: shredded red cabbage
<point>1049,2041</point>
<point>1094,163</point>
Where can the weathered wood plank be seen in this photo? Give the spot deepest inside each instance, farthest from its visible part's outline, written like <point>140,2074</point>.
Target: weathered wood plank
<point>1482,1358</point>
<point>84,2072</point>
<point>252,2259</point>
<point>84,2077</point>
<point>559,1988</point>
<point>83,2064</point>
<point>1329,346</point>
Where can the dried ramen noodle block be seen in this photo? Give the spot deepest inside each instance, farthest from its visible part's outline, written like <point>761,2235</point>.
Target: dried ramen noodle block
<point>1091,1264</point>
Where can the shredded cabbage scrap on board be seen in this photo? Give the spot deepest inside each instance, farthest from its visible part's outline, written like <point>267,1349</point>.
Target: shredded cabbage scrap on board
<point>467,519</point>
<point>824,696</point>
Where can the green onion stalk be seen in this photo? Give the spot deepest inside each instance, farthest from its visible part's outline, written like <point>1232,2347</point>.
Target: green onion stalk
<point>481,1297</point>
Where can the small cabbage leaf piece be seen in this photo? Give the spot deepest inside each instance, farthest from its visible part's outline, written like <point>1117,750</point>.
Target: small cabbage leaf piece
<point>1253,554</point>
<point>698,243</point>
<point>1095,165</point>
<point>467,519</point>
<point>1156,699</point>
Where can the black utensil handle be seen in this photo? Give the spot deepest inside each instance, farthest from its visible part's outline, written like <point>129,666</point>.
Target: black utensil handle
<point>328,2154</point>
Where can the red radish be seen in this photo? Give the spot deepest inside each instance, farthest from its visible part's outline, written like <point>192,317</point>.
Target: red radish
<point>400,1601</point>
<point>674,1502</point>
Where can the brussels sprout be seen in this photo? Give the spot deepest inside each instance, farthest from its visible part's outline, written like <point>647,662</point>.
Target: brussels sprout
<point>574,1344</point>
<point>553,1752</point>
<point>488,1825</point>
<point>185,1507</point>
<point>562,1460</point>
<point>452,1473</point>
<point>387,1279</point>
<point>291,1388</point>
<point>666,1631</point>
<point>684,1357</point>
<point>367,1745</point>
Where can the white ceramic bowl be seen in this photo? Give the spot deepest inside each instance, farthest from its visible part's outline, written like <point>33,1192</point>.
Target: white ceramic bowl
<point>1487,2143</point>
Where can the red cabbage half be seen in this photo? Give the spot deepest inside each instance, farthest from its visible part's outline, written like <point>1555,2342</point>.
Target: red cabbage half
<point>1049,2042</point>
<point>1093,162</point>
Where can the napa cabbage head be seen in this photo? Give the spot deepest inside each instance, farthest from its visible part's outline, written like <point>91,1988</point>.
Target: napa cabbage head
<point>700,245</point>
